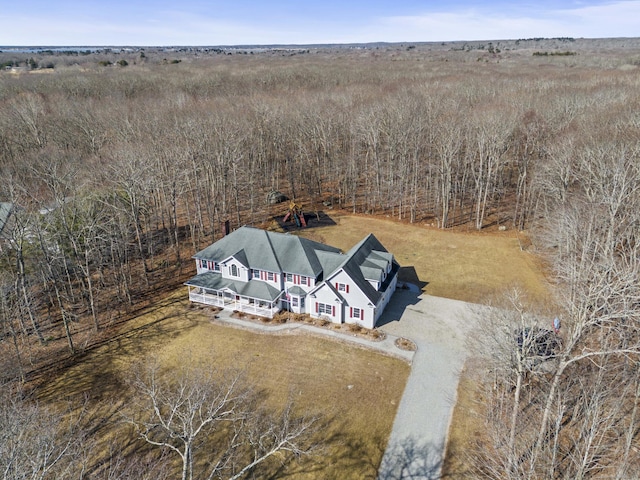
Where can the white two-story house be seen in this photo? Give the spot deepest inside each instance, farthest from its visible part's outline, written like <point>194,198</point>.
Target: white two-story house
<point>261,272</point>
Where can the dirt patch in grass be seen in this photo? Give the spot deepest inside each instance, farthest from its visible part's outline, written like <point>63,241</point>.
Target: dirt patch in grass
<point>468,266</point>
<point>356,390</point>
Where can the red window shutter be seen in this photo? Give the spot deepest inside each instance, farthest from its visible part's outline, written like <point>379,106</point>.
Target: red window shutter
<point>336,285</point>
<point>316,307</point>
<point>333,311</point>
<point>362,314</point>
<point>275,277</point>
<point>351,312</point>
<point>347,288</point>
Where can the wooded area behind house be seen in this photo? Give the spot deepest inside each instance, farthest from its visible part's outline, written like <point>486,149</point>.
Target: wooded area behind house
<point>119,172</point>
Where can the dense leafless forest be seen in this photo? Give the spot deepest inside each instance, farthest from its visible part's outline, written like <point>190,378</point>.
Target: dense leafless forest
<point>120,164</point>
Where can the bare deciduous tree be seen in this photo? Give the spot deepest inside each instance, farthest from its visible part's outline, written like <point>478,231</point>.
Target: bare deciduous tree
<point>35,442</point>
<point>214,423</point>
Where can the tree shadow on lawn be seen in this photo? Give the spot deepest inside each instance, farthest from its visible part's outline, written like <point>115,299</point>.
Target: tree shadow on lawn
<point>342,455</point>
<point>94,370</point>
<point>352,457</point>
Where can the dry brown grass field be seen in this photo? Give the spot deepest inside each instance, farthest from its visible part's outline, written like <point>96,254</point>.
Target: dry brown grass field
<point>315,372</point>
<point>468,266</point>
<point>355,390</point>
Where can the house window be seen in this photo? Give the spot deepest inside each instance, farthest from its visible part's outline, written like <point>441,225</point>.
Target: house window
<point>216,267</point>
<point>303,281</point>
<point>302,302</point>
<point>357,313</point>
<point>256,273</point>
<point>294,301</point>
<point>324,309</point>
<point>342,287</point>
<point>234,270</point>
<point>270,276</point>
<point>289,277</point>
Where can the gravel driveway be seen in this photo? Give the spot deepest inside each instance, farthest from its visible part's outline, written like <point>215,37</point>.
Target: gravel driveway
<point>438,327</point>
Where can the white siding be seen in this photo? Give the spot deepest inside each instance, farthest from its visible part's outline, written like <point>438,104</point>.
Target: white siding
<point>276,278</point>
<point>200,269</point>
<point>227,267</point>
<point>384,300</point>
<point>353,297</point>
<point>299,308</point>
<point>203,266</point>
<point>297,281</point>
<point>325,296</point>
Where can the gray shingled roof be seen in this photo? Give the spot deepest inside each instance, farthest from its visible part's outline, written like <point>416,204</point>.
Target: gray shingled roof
<point>211,281</point>
<point>363,263</point>
<point>253,288</point>
<point>295,290</point>
<point>241,256</point>
<point>280,252</point>
<point>330,262</point>
<point>271,251</point>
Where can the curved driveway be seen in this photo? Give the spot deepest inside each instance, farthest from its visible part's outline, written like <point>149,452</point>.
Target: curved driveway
<point>438,326</point>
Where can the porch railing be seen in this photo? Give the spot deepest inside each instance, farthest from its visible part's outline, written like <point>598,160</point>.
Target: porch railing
<point>232,304</point>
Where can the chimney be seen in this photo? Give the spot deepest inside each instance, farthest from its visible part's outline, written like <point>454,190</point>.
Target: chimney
<point>225,228</point>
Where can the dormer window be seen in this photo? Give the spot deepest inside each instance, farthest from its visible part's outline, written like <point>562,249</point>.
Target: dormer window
<point>234,270</point>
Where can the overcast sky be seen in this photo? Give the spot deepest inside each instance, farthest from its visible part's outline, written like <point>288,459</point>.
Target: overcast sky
<point>249,22</point>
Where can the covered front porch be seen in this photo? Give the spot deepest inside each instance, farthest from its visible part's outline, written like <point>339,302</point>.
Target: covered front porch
<point>253,297</point>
